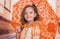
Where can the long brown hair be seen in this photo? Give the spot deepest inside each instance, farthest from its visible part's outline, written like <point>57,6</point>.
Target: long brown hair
<point>23,20</point>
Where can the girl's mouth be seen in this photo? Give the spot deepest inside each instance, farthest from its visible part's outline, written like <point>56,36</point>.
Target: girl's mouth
<point>29,17</point>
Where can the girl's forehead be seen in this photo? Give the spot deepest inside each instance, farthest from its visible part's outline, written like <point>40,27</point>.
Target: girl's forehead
<point>29,9</point>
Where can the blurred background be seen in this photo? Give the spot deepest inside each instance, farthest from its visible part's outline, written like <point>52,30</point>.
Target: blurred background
<point>6,29</point>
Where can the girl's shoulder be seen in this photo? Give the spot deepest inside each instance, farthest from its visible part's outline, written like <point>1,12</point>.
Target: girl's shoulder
<point>38,23</point>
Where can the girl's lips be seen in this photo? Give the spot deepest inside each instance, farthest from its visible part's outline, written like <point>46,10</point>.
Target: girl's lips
<point>29,17</point>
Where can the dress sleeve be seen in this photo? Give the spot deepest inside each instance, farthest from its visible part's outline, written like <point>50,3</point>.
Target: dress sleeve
<point>36,31</point>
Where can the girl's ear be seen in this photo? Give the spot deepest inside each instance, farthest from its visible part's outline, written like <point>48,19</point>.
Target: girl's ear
<point>35,15</point>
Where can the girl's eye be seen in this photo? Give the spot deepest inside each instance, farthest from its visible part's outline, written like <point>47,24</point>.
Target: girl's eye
<point>25,13</point>
<point>30,12</point>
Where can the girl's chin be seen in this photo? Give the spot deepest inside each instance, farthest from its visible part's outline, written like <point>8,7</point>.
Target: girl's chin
<point>29,20</point>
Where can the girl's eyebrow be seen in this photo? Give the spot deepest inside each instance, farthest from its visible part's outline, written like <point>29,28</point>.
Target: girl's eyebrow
<point>25,12</point>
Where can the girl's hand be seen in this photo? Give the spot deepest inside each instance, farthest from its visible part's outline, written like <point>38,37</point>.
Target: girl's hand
<point>18,29</point>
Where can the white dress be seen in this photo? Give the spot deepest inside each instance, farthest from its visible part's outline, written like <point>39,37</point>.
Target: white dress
<point>27,34</point>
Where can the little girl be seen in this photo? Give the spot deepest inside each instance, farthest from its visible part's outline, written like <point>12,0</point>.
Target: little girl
<point>30,27</point>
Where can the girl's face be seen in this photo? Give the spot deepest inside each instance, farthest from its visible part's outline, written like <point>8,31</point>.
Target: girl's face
<point>29,14</point>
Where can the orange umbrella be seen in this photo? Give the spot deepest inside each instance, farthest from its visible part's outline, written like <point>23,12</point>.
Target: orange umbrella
<point>47,17</point>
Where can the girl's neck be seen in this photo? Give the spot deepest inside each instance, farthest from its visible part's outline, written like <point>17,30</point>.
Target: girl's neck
<point>30,22</point>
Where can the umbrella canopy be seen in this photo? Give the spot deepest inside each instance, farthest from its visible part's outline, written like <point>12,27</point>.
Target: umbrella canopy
<point>46,16</point>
